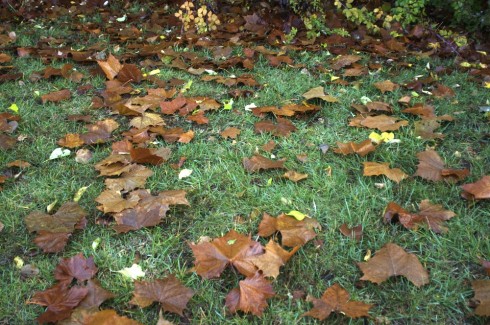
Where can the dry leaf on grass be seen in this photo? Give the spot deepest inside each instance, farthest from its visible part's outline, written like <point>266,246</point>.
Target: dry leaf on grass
<point>375,169</point>
<point>274,257</point>
<point>294,232</point>
<point>258,162</point>
<point>319,92</point>
<point>294,176</point>
<point>250,296</point>
<point>230,132</point>
<point>431,167</point>
<point>362,148</point>
<point>354,232</point>
<point>478,190</point>
<point>386,85</point>
<point>482,296</point>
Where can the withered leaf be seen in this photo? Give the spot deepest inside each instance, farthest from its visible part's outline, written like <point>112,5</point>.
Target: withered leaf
<point>60,301</point>
<point>258,162</point>
<point>114,165</point>
<point>111,67</point>
<point>383,122</point>
<point>442,91</point>
<point>64,220</point>
<point>294,232</point>
<point>83,316</point>
<point>96,295</point>
<point>362,148</point>
<point>374,169</point>
<point>431,167</point>
<point>230,132</point>
<point>344,60</point>
<point>392,260</point>
<point>129,180</point>
<point>146,156</point>
<point>422,110</point>
<point>425,129</point>
<point>283,128</point>
<point>172,106</point>
<point>354,232</point>
<point>379,106</point>
<point>294,176</point>
<point>112,201</point>
<point>76,267</point>
<point>479,189</point>
<point>56,96</point>
<point>129,73</point>
<point>52,242</point>
<point>386,85</point>
<point>169,292</point>
<point>433,215</point>
<point>198,118</point>
<point>146,120</point>
<point>71,140</point>
<point>337,299</point>
<point>482,296</point>
<point>251,295</point>
<point>232,249</point>
<point>319,92</point>
<point>274,257</point>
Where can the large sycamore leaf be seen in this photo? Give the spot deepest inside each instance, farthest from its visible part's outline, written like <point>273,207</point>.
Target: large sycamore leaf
<point>392,260</point>
<point>76,267</point>
<point>319,92</point>
<point>111,67</point>
<point>274,257</point>
<point>386,85</point>
<point>283,128</point>
<point>337,299</point>
<point>482,296</point>
<point>60,300</point>
<point>250,296</point>
<point>431,167</point>
<point>433,215</point>
<point>258,162</point>
<point>169,292</point>
<point>112,201</point>
<point>96,295</point>
<point>383,122</point>
<point>362,148</point>
<point>232,249</point>
<point>92,316</point>
<point>129,180</point>
<point>56,96</point>
<point>477,190</point>
<point>294,232</point>
<point>375,169</point>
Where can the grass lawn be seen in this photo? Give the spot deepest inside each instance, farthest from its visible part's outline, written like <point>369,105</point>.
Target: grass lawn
<point>224,196</point>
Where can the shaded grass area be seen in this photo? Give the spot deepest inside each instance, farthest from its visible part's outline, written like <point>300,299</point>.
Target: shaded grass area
<point>220,189</point>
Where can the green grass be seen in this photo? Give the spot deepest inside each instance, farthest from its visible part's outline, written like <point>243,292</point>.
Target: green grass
<point>220,189</point>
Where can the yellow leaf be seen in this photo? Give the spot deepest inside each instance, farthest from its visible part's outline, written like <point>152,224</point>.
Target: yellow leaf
<point>19,263</point>
<point>296,214</point>
<point>487,84</point>
<point>154,72</point>
<point>79,193</point>
<point>132,272</point>
<point>228,104</point>
<point>385,137</point>
<point>14,108</point>
<point>187,86</point>
<point>465,64</point>
<point>96,243</point>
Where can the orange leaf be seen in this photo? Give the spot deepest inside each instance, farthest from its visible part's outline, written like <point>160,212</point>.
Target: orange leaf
<point>478,190</point>
<point>337,299</point>
<point>294,232</point>
<point>283,128</point>
<point>274,257</point>
<point>386,85</point>
<point>169,292</point>
<point>482,296</point>
<point>392,260</point>
<point>71,140</point>
<point>362,148</point>
<point>56,96</point>
<point>374,169</point>
<point>294,176</point>
<point>383,123</point>
<point>230,132</point>
<point>111,67</point>
<point>250,296</point>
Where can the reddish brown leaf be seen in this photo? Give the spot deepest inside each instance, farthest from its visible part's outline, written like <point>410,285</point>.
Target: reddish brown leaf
<point>478,190</point>
<point>173,106</point>
<point>386,85</point>
<point>337,299</point>
<point>96,295</point>
<point>56,96</point>
<point>64,220</point>
<point>274,257</point>
<point>431,167</point>
<point>71,140</point>
<point>442,91</point>
<point>375,169</point>
<point>251,295</point>
<point>19,164</point>
<point>82,316</point>
<point>111,67</point>
<point>482,296</point>
<point>198,118</point>
<point>169,292</point>
<point>114,165</point>
<point>294,232</point>
<point>379,106</point>
<point>232,249</point>
<point>146,156</point>
<point>60,301</point>
<point>7,142</point>
<point>421,110</point>
<point>230,132</point>
<point>76,267</point>
<point>383,122</point>
<point>100,131</point>
<point>294,176</point>
<point>52,242</point>
<point>354,232</point>
<point>343,61</point>
<point>129,73</point>
<point>283,128</point>
<point>434,216</point>
<point>258,162</point>
<point>269,146</point>
<point>362,148</point>
<point>392,260</point>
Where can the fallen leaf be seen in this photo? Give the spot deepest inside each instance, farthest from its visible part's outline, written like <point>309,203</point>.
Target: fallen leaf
<point>433,215</point>
<point>129,180</point>
<point>230,132</point>
<point>234,249</point>
<point>431,167</point>
<point>56,96</point>
<point>58,153</point>
<point>319,92</point>
<point>82,316</point>
<point>146,156</point>
<point>375,169</point>
<point>83,156</point>
<point>134,272</point>
<point>482,296</point>
<point>71,140</point>
<point>258,162</point>
<point>294,232</point>
<point>111,67</point>
<point>354,232</point>
<point>250,296</point>
<point>362,148</point>
<point>169,292</point>
<point>337,299</point>
<point>442,91</point>
<point>184,173</point>
<point>392,260</point>
<point>297,215</point>
<point>343,61</point>
<point>283,128</point>
<point>294,176</point>
<point>128,73</point>
<point>386,85</point>
<point>425,129</point>
<point>274,257</point>
<point>28,271</point>
<point>96,295</point>
<point>146,120</point>
<point>112,201</point>
<point>383,122</point>
<point>76,267</point>
<point>477,190</point>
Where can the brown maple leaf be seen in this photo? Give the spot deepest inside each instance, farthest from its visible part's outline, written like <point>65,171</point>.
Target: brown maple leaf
<point>258,162</point>
<point>433,215</point>
<point>251,295</point>
<point>294,232</point>
<point>319,92</point>
<point>96,295</point>
<point>375,169</point>
<point>71,140</point>
<point>431,167</point>
<point>274,257</point>
<point>392,260</point>
<point>56,96</point>
<point>386,85</point>
<point>343,61</point>
<point>337,299</point>
<point>230,132</point>
<point>169,292</point>
<point>60,300</point>
<point>232,249</point>
<point>90,316</point>
<point>76,267</point>
<point>112,201</point>
<point>283,128</point>
<point>362,148</point>
<point>383,122</point>
<point>478,190</point>
<point>354,232</point>
<point>111,67</point>
<point>482,296</point>
<point>146,120</point>
<point>129,180</point>
<point>294,176</point>
<point>129,73</point>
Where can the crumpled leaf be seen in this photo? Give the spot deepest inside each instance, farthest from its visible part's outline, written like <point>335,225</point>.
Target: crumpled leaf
<point>184,173</point>
<point>283,128</point>
<point>362,148</point>
<point>56,96</point>
<point>392,260</point>
<point>258,162</point>
<point>294,232</point>
<point>294,176</point>
<point>386,85</point>
<point>112,201</point>
<point>111,67</point>
<point>230,132</point>
<point>169,292</point>
<point>478,190</point>
<point>431,167</point>
<point>134,272</point>
<point>319,92</point>
<point>96,295</point>
<point>134,178</point>
<point>354,232</point>
<point>482,296</point>
<point>251,295</point>
<point>58,153</point>
<point>274,257</point>
<point>383,122</point>
<point>375,169</point>
<point>235,249</point>
<point>337,299</point>
<point>433,215</point>
<point>76,267</point>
